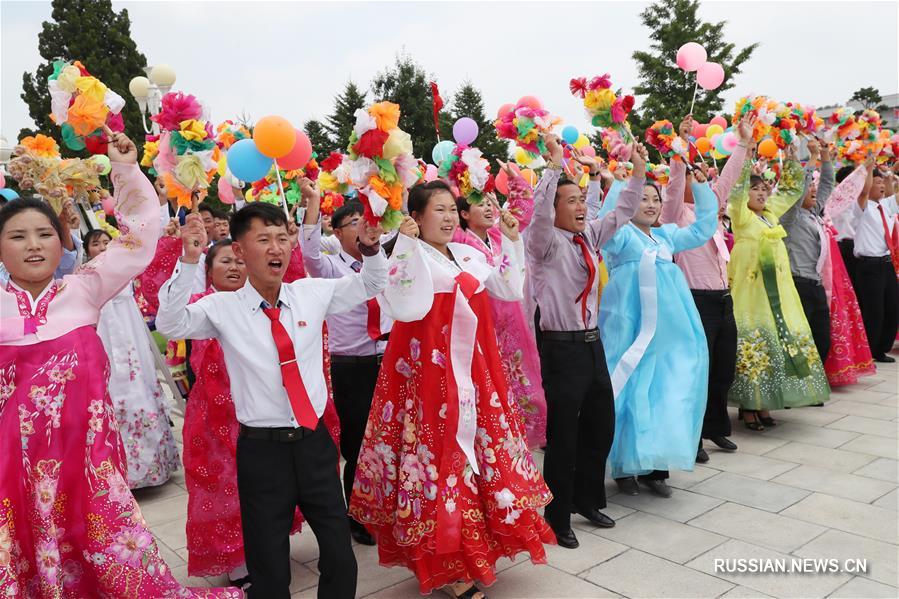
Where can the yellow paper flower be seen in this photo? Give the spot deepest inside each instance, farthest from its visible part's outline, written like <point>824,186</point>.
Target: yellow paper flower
<point>91,87</point>
<point>151,149</point>
<point>67,78</point>
<point>41,145</point>
<point>192,130</point>
<point>327,181</point>
<point>386,115</point>
<point>190,172</point>
<point>599,99</point>
<point>398,142</point>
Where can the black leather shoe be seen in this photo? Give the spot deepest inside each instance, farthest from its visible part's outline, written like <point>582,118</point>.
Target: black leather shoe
<point>360,535</point>
<point>597,517</point>
<point>658,487</point>
<point>884,359</point>
<point>701,456</point>
<point>628,486</point>
<point>567,539</point>
<point>724,443</point>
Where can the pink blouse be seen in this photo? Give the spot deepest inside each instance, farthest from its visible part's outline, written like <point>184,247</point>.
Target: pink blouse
<point>76,299</point>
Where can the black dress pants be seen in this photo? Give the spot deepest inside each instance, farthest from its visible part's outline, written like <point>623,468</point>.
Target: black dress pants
<point>716,311</point>
<point>847,252</point>
<point>817,312</point>
<point>580,426</point>
<point>273,478</point>
<point>354,386</point>
<point>878,300</point>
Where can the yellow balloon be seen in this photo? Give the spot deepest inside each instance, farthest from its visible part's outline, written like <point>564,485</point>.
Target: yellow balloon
<point>713,129</point>
<point>222,165</point>
<point>249,196</point>
<point>581,141</point>
<point>521,157</point>
<point>718,155</point>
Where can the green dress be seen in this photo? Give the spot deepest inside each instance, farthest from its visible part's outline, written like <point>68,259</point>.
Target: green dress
<point>777,363</point>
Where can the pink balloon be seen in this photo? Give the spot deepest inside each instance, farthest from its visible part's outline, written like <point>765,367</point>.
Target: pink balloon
<point>588,150</point>
<point>226,194</point>
<point>430,173</point>
<point>502,179</point>
<point>2,181</point>
<point>719,120</point>
<point>531,101</point>
<point>699,130</point>
<point>710,76</point>
<point>504,110</point>
<point>108,205</point>
<point>691,56</point>
<point>299,155</point>
<point>730,141</point>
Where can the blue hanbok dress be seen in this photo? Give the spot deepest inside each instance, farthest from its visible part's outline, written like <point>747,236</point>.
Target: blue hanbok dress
<point>654,343</point>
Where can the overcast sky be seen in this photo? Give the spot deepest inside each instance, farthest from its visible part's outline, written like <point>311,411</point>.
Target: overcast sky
<point>292,58</point>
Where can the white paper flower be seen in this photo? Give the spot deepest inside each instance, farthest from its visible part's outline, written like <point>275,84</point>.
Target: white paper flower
<point>59,102</point>
<point>364,122</point>
<point>407,169</point>
<point>113,101</point>
<point>362,169</point>
<point>377,203</point>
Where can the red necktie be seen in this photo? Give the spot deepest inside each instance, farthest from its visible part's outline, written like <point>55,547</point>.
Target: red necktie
<point>894,251</point>
<point>290,372</point>
<point>591,275</point>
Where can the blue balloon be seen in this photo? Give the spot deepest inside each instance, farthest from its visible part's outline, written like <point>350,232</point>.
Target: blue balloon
<point>9,194</point>
<point>442,151</point>
<point>570,134</point>
<point>246,162</point>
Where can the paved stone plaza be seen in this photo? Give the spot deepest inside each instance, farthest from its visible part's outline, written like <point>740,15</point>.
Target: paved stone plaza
<point>821,484</point>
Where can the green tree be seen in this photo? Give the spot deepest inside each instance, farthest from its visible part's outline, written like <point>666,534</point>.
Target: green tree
<point>89,31</point>
<point>666,89</point>
<point>322,144</point>
<point>406,83</point>
<point>869,97</point>
<point>339,124</point>
<point>468,102</point>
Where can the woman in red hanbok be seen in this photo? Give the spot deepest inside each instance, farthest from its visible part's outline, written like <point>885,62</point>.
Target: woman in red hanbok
<point>517,345</point>
<point>445,480</point>
<point>69,526</point>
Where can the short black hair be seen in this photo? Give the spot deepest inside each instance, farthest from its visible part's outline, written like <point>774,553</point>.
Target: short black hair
<point>652,184</point>
<point>420,195</point>
<point>844,172</point>
<point>213,251</point>
<point>204,207</point>
<point>220,215</point>
<point>877,173</point>
<point>16,207</point>
<point>269,214</point>
<point>91,235</point>
<point>755,180</point>
<point>562,182</point>
<point>351,208</point>
<point>462,205</point>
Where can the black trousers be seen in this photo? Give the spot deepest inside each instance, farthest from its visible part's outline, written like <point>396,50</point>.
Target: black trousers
<point>716,310</point>
<point>878,299</point>
<point>273,478</point>
<point>354,387</point>
<point>579,429</point>
<point>817,312</point>
<point>847,252</point>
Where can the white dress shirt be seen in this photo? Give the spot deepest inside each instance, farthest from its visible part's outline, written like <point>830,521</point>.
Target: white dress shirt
<point>244,332</point>
<point>347,331</point>
<point>870,238</point>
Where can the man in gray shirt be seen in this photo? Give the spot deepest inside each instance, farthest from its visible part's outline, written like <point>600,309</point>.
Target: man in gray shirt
<point>806,243</point>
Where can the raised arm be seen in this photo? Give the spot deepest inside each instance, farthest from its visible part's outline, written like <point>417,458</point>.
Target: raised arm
<point>700,231</point>
<point>826,182</point>
<point>845,194</point>
<point>738,201</point>
<point>673,210</point>
<point>317,265</point>
<point>521,199</point>
<point>626,205</point>
<point>732,170</point>
<point>540,231</point>
<point>790,189</point>
<point>410,290</point>
<point>352,290</point>
<point>506,282</point>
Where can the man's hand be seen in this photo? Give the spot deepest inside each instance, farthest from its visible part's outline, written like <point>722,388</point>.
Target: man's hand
<point>814,150</point>
<point>370,235</point>
<point>409,227</point>
<point>193,237</point>
<point>826,152</point>
<point>554,152</point>
<point>508,224</point>
<point>685,128</point>
<point>121,149</point>
<point>173,228</point>
<point>588,161</point>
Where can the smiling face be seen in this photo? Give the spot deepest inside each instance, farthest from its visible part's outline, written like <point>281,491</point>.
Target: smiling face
<point>228,272</point>
<point>439,219</point>
<point>758,196</point>
<point>650,207</point>
<point>571,208</point>
<point>479,216</point>
<point>30,248</point>
<point>265,249</point>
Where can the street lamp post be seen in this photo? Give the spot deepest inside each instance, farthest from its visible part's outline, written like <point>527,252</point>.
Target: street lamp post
<point>148,92</point>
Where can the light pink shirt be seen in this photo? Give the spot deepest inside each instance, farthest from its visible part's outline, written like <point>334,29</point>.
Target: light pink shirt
<point>80,296</point>
<point>704,267</point>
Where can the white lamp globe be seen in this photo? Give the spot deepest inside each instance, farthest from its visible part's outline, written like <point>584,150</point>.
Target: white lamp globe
<point>139,87</point>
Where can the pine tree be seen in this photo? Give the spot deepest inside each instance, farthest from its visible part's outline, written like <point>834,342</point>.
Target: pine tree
<point>407,84</point>
<point>340,123</point>
<point>468,102</point>
<point>89,31</point>
<point>665,88</point>
<point>322,144</point>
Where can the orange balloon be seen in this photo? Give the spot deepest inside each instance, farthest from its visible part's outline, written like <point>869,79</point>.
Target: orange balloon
<point>768,148</point>
<point>529,176</point>
<point>703,145</point>
<point>274,136</point>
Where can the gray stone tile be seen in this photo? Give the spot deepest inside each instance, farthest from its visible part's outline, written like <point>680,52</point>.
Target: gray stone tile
<point>858,408</point>
<point>835,544</point>
<point>862,587</point>
<point>159,511</point>
<point>813,435</point>
<point>303,546</point>
<point>887,386</point>
<point>823,457</point>
<point>638,574</point>
<point>681,506</point>
<point>170,556</point>
<point>812,416</point>
<point>593,550</point>
<point>303,577</point>
<point>172,533</point>
<point>860,424</point>
<point>749,491</point>
<point>846,515</point>
<point>528,580</point>
<point>661,537</point>
<point>881,468</point>
<point>776,584</point>
<point>840,484</point>
<point>180,574</point>
<point>747,442</point>
<point>372,576</point>
<point>739,592</point>
<point>853,393</point>
<point>750,465</point>
<point>889,501</point>
<point>682,479</point>
<point>310,593</point>
<point>873,445</point>
<point>758,527</point>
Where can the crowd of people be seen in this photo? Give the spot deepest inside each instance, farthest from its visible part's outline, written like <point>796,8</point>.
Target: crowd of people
<point>604,321</point>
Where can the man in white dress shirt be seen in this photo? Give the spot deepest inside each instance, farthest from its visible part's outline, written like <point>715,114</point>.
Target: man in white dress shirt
<point>270,335</point>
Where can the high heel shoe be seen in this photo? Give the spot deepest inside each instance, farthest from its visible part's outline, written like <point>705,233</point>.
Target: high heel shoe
<point>767,420</point>
<point>754,424</point>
